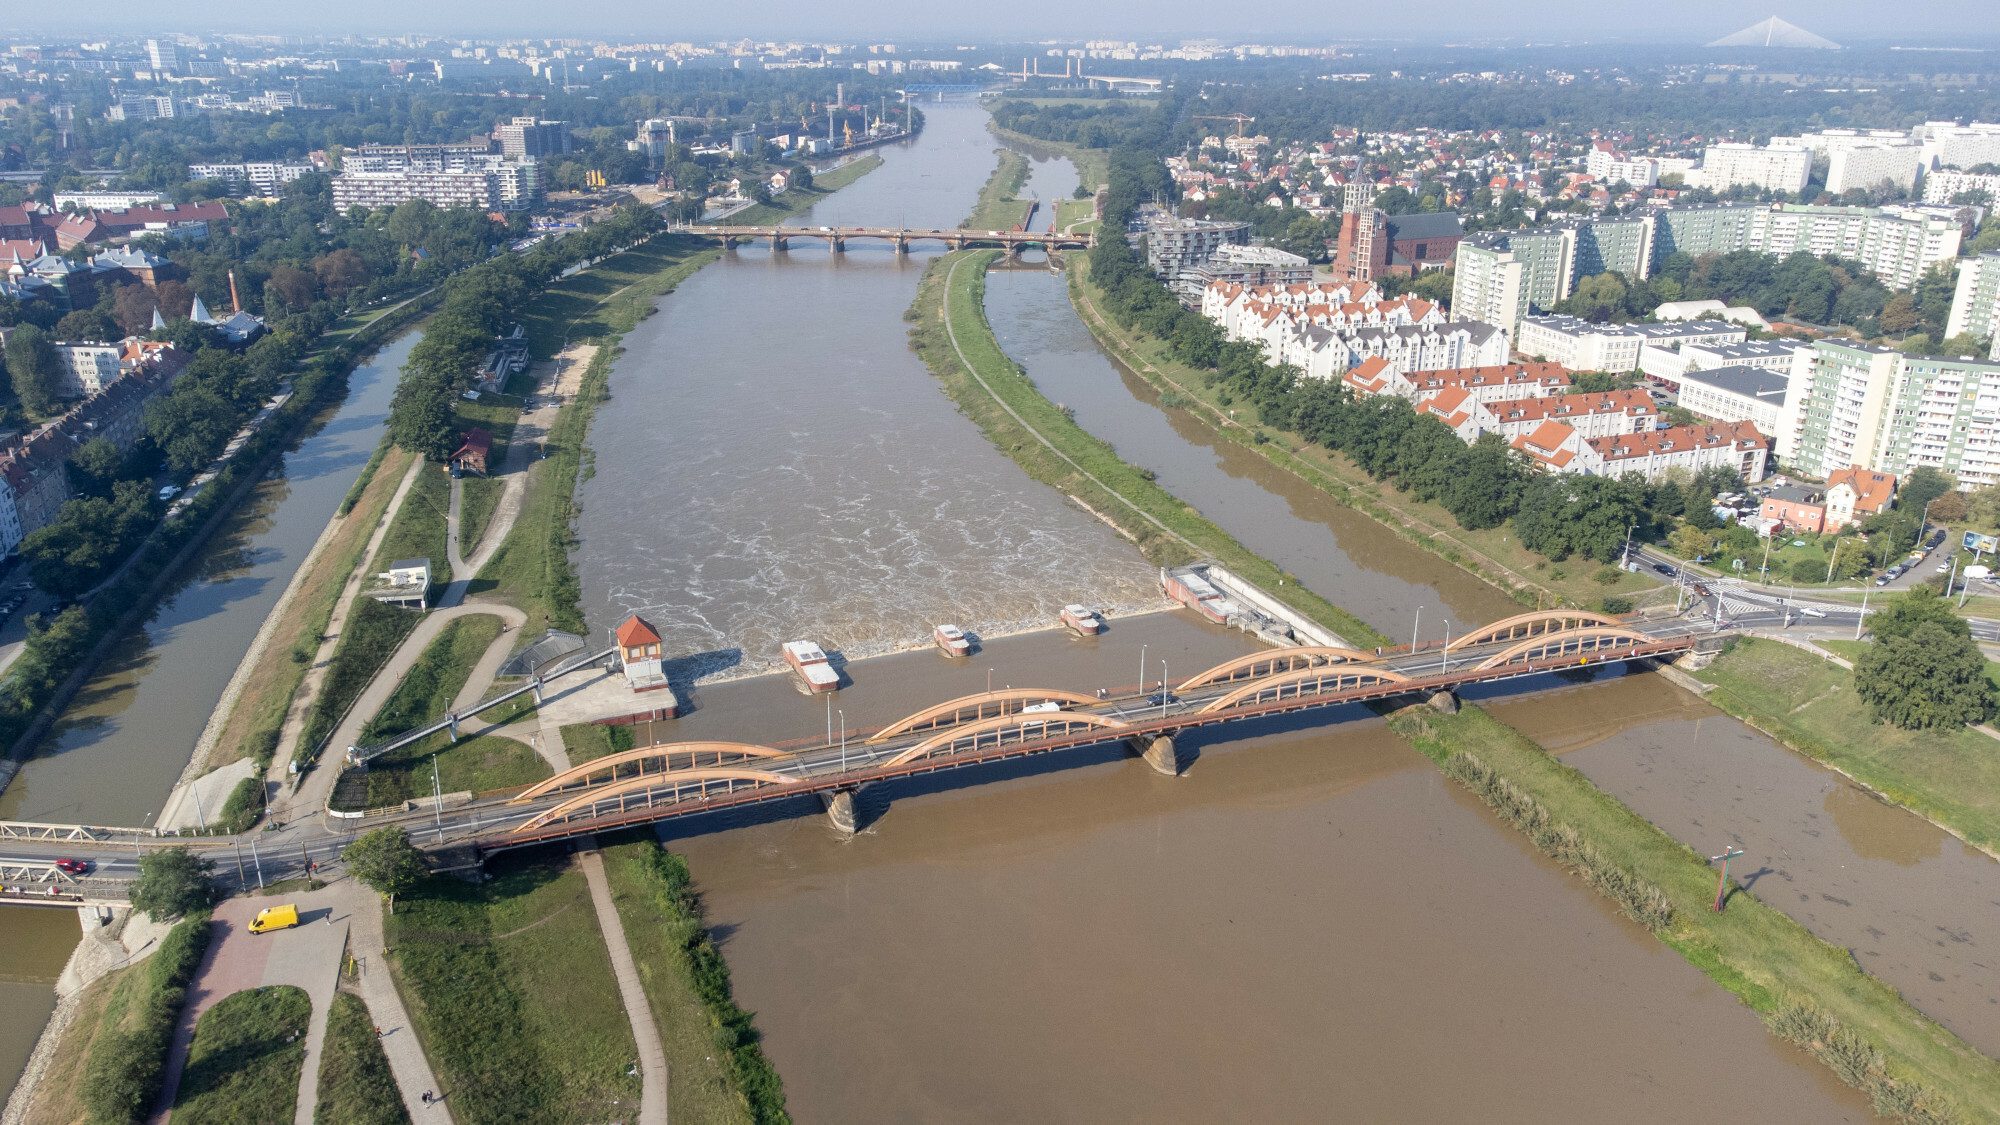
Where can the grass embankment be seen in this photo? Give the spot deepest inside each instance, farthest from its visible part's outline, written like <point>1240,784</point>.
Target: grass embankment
<point>1078,215</point>
<point>114,1071</point>
<point>511,990</point>
<point>372,635</point>
<point>470,765</point>
<point>531,569</point>
<point>255,722</point>
<point>355,1084</point>
<point>1494,554</point>
<point>717,1072</point>
<point>588,741</point>
<point>246,1058</point>
<point>1806,989</point>
<point>428,688</point>
<point>997,209</point>
<point>1093,165</point>
<point>799,200</point>
<point>419,527</point>
<point>1809,704</point>
<point>497,416</point>
<point>1120,493</point>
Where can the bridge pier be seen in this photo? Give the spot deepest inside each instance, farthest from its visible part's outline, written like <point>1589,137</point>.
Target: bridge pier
<point>781,243</point>
<point>902,247</point>
<point>837,245</point>
<point>729,242</point>
<point>1158,750</point>
<point>1444,701</point>
<point>840,810</point>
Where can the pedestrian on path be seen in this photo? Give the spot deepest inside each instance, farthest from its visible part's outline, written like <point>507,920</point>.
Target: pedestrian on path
<point>378,1033</point>
<point>427,1097</point>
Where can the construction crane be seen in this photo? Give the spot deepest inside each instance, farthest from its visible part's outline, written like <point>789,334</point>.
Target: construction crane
<point>1241,120</point>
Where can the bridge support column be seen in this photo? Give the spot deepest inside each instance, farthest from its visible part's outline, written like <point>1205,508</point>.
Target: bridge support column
<point>840,810</point>
<point>729,242</point>
<point>1013,251</point>
<point>837,245</point>
<point>902,247</point>
<point>1158,750</point>
<point>781,244</point>
<point>1444,701</point>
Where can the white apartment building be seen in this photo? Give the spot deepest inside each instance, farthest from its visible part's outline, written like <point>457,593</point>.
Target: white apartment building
<point>1944,413</point>
<point>267,178</point>
<point>1941,186</point>
<point>497,186</point>
<point>1774,168</point>
<point>104,200</point>
<point>87,368</point>
<point>1742,394</point>
<point>1840,406</point>
<point>1947,144</point>
<point>1611,167</point>
<point>1490,285</point>
<point>1582,345</point>
<point>1867,166</point>
<point>1896,244</point>
<point>1782,356</point>
<point>1975,306</point>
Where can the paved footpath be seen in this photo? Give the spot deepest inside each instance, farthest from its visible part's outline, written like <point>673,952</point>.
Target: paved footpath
<point>407,1061</point>
<point>652,1056</point>
<point>307,956</point>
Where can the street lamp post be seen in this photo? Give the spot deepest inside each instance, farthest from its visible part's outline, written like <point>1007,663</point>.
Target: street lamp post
<point>1142,669</point>
<point>1418,620</point>
<point>1163,689</point>
<point>1626,557</point>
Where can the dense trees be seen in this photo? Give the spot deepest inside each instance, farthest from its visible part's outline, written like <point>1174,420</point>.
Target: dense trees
<point>1923,669</point>
<point>387,862</point>
<point>172,882</point>
<point>35,371</point>
<point>90,537</point>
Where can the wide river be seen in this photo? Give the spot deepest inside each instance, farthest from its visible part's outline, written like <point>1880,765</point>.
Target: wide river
<point>1309,924</point>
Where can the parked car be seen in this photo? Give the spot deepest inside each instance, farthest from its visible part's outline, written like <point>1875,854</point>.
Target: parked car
<point>1882,581</point>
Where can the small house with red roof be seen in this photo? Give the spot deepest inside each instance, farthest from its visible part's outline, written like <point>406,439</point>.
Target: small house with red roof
<point>639,651</point>
<point>472,454</point>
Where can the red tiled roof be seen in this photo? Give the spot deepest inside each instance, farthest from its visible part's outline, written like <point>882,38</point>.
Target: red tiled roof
<point>635,631</point>
<point>1872,491</point>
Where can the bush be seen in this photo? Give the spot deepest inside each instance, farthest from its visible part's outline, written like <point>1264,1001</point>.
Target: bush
<point>1607,575</point>
<point>1614,605</point>
<point>122,1077</point>
<point>172,882</point>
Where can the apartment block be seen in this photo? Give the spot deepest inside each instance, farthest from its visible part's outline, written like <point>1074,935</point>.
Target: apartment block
<point>1841,405</point>
<point>1944,413</point>
<point>524,137</point>
<point>1742,394</point>
<point>266,178</point>
<point>1869,166</point>
<point>1975,306</point>
<point>496,186</point>
<point>1773,168</point>
<point>1944,185</point>
<point>1583,345</point>
<point>1947,144</point>
<point>87,368</point>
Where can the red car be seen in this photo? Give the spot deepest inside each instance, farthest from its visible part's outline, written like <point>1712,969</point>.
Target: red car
<point>73,866</point>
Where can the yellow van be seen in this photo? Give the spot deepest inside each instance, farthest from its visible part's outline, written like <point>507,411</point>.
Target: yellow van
<point>275,918</point>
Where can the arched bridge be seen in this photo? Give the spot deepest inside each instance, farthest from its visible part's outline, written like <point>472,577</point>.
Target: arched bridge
<point>678,779</point>
<point>837,237</point>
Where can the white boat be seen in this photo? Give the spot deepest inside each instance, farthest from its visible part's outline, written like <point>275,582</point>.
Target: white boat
<point>1081,621</point>
<point>809,661</point>
<point>951,640</point>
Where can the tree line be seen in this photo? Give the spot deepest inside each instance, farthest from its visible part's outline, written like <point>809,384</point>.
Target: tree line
<point>478,304</point>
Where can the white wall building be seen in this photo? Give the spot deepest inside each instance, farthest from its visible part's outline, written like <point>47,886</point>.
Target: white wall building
<point>1947,144</point>
<point>1775,168</point>
<point>1742,394</point>
<point>87,368</point>
<point>266,178</point>
<point>1868,166</point>
<point>1941,186</point>
<point>1975,305</point>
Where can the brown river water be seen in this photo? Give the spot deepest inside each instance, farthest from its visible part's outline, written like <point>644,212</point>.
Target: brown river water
<point>1916,906</point>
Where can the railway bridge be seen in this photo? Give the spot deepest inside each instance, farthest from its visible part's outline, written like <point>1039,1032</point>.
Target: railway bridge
<point>837,237</point>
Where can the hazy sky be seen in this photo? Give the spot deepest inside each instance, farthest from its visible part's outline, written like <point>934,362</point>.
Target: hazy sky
<point>1683,21</point>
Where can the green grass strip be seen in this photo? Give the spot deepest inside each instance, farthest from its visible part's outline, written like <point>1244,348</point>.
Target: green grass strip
<point>991,389</point>
<point>245,1062</point>
<point>356,1086</point>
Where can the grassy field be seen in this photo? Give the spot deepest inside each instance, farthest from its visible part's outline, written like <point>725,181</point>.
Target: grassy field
<point>1075,215</point>
<point>1122,494</point>
<point>1493,554</point>
<point>245,1062</point>
<point>997,209</point>
<point>511,990</point>
<point>805,199</point>
<point>1809,704</point>
<point>497,415</point>
<point>371,636</point>
<point>427,689</point>
<point>470,765</point>
<point>355,1085</point>
<point>1771,963</point>
<point>418,531</point>
<point>586,741</point>
<point>58,1098</point>
<point>687,988</point>
<point>590,304</point>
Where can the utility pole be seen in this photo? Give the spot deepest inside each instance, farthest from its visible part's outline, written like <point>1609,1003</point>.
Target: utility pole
<point>1414,623</point>
<point>257,863</point>
<point>1864,612</point>
<point>1142,669</point>
<point>437,799</point>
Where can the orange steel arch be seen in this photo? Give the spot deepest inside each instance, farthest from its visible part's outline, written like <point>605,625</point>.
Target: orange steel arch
<point>1594,638</point>
<point>677,778</point>
<point>666,751</point>
<point>1309,677</point>
<point>1551,619</point>
<point>1000,724</point>
<point>949,712</point>
<point>1306,656</point>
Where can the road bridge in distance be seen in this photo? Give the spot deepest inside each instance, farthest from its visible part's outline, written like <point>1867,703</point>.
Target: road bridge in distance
<point>675,780</point>
<point>837,237</point>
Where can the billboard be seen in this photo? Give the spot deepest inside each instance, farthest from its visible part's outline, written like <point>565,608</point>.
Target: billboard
<point>1977,542</point>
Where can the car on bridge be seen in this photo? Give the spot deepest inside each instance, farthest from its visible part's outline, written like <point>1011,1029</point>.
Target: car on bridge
<point>73,866</point>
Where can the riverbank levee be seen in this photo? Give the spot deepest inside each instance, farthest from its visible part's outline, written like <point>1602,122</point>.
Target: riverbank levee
<point>994,392</point>
<point>1770,962</point>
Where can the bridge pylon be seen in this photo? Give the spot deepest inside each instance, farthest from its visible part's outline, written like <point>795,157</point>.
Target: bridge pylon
<point>840,809</point>
<point>1159,752</point>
